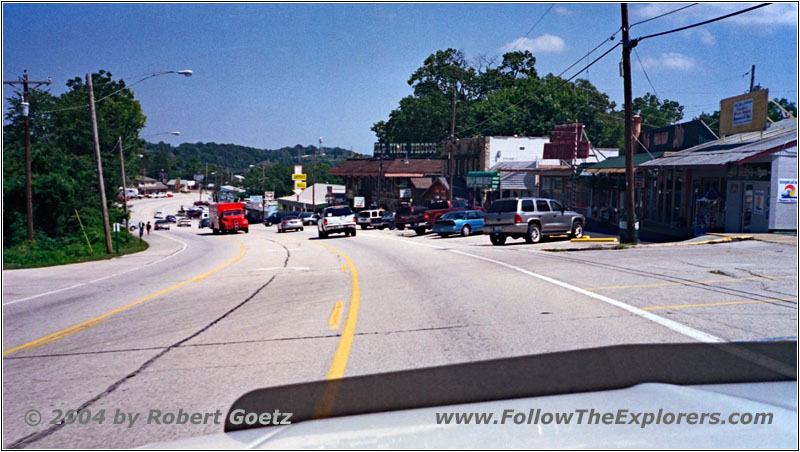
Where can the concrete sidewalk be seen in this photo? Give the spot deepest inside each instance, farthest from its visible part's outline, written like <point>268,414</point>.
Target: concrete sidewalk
<point>783,239</point>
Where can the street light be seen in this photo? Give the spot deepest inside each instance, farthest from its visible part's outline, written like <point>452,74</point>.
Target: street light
<point>95,135</point>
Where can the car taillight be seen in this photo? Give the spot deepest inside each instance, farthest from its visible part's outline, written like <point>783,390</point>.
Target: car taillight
<point>427,216</point>
<point>354,220</point>
<point>325,222</point>
<point>517,218</point>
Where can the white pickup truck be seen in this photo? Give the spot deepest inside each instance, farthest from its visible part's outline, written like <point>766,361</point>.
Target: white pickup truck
<point>336,219</point>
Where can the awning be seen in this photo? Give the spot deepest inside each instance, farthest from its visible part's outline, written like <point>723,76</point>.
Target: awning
<point>616,165</point>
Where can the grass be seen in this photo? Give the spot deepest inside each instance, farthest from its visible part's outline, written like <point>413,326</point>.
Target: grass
<point>46,252</point>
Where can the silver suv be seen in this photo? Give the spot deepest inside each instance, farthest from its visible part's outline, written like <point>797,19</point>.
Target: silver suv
<point>530,218</point>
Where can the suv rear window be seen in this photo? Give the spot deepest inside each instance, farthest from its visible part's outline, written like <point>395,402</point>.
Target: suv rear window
<point>338,212</point>
<point>506,205</point>
<point>435,205</point>
<point>363,215</point>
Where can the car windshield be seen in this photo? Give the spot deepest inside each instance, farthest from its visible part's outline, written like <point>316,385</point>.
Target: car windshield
<point>454,216</point>
<point>639,198</point>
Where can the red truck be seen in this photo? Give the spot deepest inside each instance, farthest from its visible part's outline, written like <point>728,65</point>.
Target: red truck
<point>227,217</point>
<point>420,219</point>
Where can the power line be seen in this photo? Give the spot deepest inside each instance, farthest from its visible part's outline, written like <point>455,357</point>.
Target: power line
<point>661,15</point>
<point>645,72</point>
<point>633,42</point>
<point>534,26</point>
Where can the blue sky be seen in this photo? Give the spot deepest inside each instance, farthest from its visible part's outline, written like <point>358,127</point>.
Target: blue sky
<point>273,75</point>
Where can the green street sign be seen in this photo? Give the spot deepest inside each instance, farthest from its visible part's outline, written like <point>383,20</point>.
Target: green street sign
<point>483,179</point>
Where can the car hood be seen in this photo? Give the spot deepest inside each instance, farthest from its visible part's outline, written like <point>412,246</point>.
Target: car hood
<point>418,428</point>
<point>399,409</point>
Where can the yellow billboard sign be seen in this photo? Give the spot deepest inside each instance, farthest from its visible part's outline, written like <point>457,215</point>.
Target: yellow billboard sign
<point>744,113</point>
<point>298,177</point>
<point>299,184</point>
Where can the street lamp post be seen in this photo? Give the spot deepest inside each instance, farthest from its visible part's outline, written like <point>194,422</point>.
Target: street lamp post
<point>106,226</point>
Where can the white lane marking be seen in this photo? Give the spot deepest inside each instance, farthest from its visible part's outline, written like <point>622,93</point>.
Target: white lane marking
<point>300,269</point>
<point>674,326</point>
<point>105,277</point>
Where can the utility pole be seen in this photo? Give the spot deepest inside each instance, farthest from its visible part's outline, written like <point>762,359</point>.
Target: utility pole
<point>106,227</point>
<point>452,142</point>
<point>752,77</point>
<point>629,182</point>
<point>124,184</point>
<point>26,113</point>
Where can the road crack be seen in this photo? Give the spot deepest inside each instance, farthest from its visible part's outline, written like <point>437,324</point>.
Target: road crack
<point>33,437</point>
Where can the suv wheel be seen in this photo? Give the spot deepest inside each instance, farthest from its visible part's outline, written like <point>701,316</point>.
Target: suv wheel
<point>322,235</point>
<point>353,232</point>
<point>577,230</point>
<point>497,240</point>
<point>534,234</point>
<point>419,231</point>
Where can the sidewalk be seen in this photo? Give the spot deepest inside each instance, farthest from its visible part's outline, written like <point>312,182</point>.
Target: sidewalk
<point>783,239</point>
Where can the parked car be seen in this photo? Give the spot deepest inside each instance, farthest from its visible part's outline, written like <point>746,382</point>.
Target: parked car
<point>161,194</point>
<point>412,217</point>
<point>158,214</point>
<point>387,221</point>
<point>463,222</point>
<point>276,217</point>
<point>184,222</point>
<point>172,218</point>
<point>530,218</point>
<point>201,203</point>
<point>290,223</point>
<point>369,218</point>
<point>339,219</point>
<point>309,218</point>
<point>438,208</point>
<point>161,224</point>
<point>204,223</point>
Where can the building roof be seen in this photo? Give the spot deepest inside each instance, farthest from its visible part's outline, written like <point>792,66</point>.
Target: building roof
<point>388,168</point>
<point>617,164</point>
<point>319,191</point>
<point>737,148</point>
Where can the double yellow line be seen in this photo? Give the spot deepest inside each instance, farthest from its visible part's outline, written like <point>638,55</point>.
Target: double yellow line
<point>102,318</point>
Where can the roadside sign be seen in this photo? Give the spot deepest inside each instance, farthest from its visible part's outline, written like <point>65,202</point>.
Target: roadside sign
<point>298,177</point>
<point>256,199</point>
<point>300,185</point>
<point>199,177</point>
<point>116,227</point>
<point>405,193</point>
<point>297,191</point>
<point>358,202</point>
<point>483,179</point>
<point>269,195</point>
<point>298,169</point>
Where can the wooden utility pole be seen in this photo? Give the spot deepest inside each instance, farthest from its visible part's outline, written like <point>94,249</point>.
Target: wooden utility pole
<point>106,227</point>
<point>26,113</point>
<point>124,184</point>
<point>752,77</point>
<point>626,74</point>
<point>452,143</point>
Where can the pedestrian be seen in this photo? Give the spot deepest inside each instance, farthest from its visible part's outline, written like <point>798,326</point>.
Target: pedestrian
<point>148,228</point>
<point>141,229</point>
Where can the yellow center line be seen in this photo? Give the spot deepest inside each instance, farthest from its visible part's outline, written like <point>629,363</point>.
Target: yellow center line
<point>336,316</point>
<point>336,371</point>
<point>686,283</point>
<point>720,303</point>
<point>102,318</point>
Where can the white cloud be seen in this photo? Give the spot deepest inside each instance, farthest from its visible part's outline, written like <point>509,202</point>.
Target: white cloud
<point>671,61</point>
<point>545,43</point>
<point>777,14</point>
<point>705,37</point>
<point>563,11</point>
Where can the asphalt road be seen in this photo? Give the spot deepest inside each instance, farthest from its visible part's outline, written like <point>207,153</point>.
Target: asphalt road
<point>198,320</point>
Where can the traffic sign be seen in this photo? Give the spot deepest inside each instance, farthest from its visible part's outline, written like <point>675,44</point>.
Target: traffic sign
<point>300,185</point>
<point>298,177</point>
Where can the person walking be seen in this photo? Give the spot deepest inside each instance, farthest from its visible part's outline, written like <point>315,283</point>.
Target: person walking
<point>148,228</point>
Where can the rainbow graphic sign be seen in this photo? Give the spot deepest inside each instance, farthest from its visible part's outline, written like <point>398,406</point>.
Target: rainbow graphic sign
<point>787,190</point>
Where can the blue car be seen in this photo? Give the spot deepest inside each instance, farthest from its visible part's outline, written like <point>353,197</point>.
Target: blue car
<point>463,222</point>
